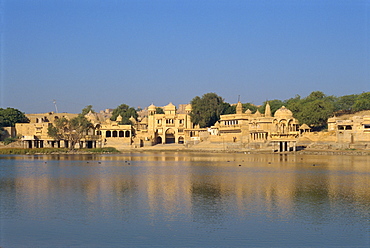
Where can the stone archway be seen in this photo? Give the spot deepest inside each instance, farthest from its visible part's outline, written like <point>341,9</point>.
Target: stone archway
<point>158,140</point>
<point>181,140</point>
<point>170,136</point>
<point>283,126</point>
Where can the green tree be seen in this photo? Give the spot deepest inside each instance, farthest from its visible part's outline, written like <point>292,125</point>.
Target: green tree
<point>87,109</point>
<point>206,110</point>
<point>315,113</point>
<point>315,95</point>
<point>294,104</point>
<point>313,110</point>
<point>159,110</point>
<point>249,106</point>
<point>362,102</point>
<point>274,105</point>
<point>228,109</point>
<point>72,130</point>
<point>10,116</point>
<point>344,104</point>
<point>126,112</point>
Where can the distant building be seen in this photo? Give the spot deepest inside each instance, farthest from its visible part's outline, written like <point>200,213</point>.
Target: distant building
<point>261,130</point>
<point>353,130</point>
<point>167,128</point>
<point>35,133</point>
<point>278,132</point>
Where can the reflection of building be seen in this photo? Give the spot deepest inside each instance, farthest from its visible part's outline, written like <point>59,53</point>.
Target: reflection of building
<point>280,130</point>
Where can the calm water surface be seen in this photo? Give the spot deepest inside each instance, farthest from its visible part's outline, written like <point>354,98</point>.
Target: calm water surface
<point>171,199</point>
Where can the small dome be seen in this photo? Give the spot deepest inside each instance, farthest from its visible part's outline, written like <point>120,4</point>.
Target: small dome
<point>151,107</point>
<point>283,112</point>
<point>248,111</point>
<point>170,106</point>
<point>144,120</point>
<point>304,127</point>
<point>257,114</point>
<point>188,107</point>
<point>91,117</point>
<point>132,119</point>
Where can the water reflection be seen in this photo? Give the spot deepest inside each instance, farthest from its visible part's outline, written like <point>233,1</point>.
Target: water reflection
<point>209,189</point>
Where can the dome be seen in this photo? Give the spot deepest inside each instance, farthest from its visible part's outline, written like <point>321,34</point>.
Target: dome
<point>144,120</point>
<point>188,107</point>
<point>170,106</point>
<point>151,107</point>
<point>248,112</point>
<point>258,113</point>
<point>283,112</point>
<point>132,119</point>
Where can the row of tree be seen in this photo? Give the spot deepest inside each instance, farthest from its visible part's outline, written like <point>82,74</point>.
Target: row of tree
<point>314,110</point>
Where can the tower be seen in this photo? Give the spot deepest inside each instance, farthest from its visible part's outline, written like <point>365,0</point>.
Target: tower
<point>239,108</point>
<point>267,110</point>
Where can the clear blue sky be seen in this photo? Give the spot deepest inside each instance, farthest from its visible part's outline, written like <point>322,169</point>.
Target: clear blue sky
<point>139,52</point>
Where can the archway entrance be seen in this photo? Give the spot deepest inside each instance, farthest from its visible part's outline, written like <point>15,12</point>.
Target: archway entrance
<point>159,140</point>
<point>181,140</point>
<point>170,136</point>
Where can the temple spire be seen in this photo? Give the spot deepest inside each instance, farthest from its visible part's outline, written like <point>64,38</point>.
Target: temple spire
<point>239,108</point>
<point>267,110</point>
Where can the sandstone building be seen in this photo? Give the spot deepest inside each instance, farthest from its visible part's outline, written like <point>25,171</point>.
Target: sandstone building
<point>155,128</point>
<point>167,128</point>
<point>243,130</point>
<point>353,131</point>
<point>279,131</point>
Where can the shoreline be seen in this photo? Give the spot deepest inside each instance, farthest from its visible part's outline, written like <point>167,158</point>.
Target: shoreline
<point>307,151</point>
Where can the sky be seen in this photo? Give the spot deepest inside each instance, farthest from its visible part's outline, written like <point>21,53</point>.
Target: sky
<point>142,52</point>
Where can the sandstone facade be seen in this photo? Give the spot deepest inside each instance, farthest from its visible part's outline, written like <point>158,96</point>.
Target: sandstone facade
<point>278,131</point>
<point>243,130</point>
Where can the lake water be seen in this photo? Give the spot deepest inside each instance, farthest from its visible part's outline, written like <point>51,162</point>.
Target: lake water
<point>174,199</point>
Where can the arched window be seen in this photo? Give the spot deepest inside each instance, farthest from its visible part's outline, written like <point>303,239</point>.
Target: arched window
<point>120,134</point>
<point>127,134</point>
<point>114,133</point>
<point>108,134</point>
